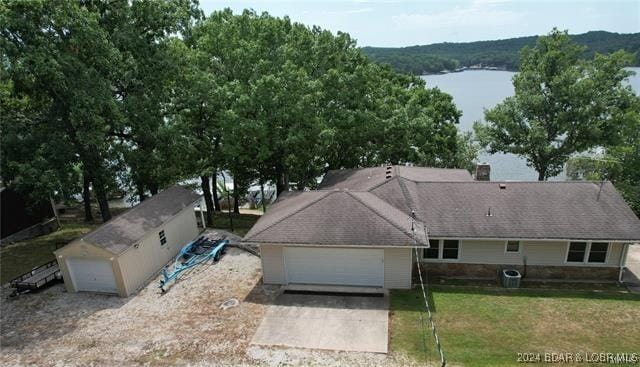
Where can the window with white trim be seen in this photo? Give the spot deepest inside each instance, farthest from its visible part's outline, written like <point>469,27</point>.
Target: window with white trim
<point>598,252</point>
<point>433,251</point>
<point>576,252</point>
<point>512,246</point>
<point>450,249</point>
<point>163,238</point>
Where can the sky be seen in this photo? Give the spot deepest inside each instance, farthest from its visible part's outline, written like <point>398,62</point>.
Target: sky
<point>387,23</point>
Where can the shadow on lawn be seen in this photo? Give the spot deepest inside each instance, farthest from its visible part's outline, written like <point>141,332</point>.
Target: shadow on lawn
<point>412,300</point>
<point>539,293</point>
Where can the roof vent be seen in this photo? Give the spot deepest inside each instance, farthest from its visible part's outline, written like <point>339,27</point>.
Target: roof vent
<point>503,186</point>
<point>388,176</point>
<point>489,213</point>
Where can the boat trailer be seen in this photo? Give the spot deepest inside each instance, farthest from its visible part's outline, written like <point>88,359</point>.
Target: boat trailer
<point>193,254</point>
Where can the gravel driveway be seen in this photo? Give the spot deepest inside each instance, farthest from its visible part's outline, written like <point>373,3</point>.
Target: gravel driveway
<point>185,326</point>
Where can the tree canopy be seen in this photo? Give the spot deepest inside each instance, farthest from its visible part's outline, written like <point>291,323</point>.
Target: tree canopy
<point>138,95</point>
<point>562,105</point>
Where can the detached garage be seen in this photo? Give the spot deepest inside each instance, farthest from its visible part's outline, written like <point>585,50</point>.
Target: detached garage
<point>336,237</point>
<point>122,255</point>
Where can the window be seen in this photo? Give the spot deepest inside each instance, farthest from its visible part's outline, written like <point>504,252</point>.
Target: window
<point>598,252</point>
<point>432,251</point>
<point>513,246</point>
<point>576,252</point>
<point>450,249</point>
<point>163,238</point>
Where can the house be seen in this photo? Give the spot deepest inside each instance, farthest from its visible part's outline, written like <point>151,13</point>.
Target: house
<point>122,255</point>
<point>368,226</point>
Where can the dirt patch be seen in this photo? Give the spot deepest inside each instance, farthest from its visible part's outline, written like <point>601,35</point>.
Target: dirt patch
<point>185,325</point>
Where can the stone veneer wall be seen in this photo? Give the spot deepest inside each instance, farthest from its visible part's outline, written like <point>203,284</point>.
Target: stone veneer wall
<point>532,271</point>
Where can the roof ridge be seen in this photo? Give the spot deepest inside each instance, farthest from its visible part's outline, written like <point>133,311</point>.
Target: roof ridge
<point>405,192</point>
<point>377,185</point>
<point>407,233</point>
<point>133,209</point>
<point>328,192</point>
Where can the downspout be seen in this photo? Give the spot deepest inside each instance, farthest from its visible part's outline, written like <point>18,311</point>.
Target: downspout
<point>623,261</point>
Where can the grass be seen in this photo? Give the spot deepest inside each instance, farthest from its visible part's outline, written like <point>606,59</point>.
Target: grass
<point>21,257</point>
<point>242,223</point>
<point>490,326</point>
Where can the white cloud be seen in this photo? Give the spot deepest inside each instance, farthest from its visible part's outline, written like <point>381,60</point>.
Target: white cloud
<point>480,13</point>
<point>339,12</point>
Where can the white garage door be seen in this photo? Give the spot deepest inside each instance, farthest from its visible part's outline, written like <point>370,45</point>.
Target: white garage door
<point>92,275</point>
<point>335,266</point>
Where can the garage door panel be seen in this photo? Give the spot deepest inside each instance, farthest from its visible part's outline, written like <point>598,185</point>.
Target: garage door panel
<point>335,266</point>
<point>92,275</point>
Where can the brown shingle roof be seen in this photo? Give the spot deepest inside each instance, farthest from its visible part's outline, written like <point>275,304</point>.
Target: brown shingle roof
<point>367,178</point>
<point>368,208</point>
<point>335,218</point>
<point>544,210</point>
<point>128,228</point>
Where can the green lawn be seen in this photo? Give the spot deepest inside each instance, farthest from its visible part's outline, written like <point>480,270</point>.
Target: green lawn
<point>21,257</point>
<point>242,223</point>
<point>490,326</point>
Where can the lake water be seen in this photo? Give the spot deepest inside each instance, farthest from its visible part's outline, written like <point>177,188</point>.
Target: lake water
<point>475,90</point>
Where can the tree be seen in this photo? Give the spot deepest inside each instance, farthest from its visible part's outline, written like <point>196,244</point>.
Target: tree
<point>620,164</point>
<point>58,56</point>
<point>562,105</point>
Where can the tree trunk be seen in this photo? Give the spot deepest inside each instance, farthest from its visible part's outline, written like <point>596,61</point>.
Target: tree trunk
<point>206,189</point>
<point>86,196</point>
<point>263,199</point>
<point>224,182</point>
<point>542,174</point>
<point>214,181</point>
<point>153,187</point>
<point>103,202</point>
<point>140,189</point>
<point>236,197</point>
<point>282,181</point>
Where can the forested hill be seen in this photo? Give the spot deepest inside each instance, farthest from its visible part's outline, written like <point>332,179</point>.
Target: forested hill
<point>502,54</point>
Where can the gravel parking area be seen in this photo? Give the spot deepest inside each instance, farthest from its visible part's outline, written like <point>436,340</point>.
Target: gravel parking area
<point>185,326</point>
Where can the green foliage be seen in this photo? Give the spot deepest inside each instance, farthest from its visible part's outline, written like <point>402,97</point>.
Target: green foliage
<point>620,164</point>
<point>501,53</point>
<point>142,94</point>
<point>562,105</point>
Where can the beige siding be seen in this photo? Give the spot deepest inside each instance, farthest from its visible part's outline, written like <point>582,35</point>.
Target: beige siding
<point>488,252</point>
<point>553,253</point>
<point>80,249</point>
<point>615,253</point>
<point>140,264</point>
<point>272,264</point>
<point>397,268</point>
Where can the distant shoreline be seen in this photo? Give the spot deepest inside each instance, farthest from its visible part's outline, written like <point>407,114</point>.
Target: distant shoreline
<point>463,69</point>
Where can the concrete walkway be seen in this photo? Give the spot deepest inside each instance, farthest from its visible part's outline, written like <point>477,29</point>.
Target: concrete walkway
<point>348,323</point>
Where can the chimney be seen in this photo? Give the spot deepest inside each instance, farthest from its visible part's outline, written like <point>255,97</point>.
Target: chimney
<point>483,171</point>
